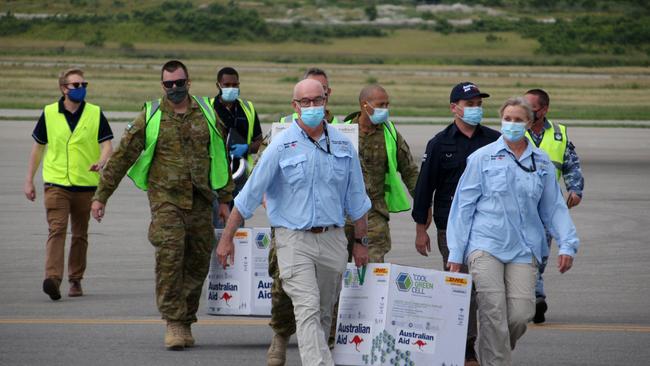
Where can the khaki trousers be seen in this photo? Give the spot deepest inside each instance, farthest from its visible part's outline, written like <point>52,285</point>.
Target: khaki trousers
<point>60,205</point>
<point>311,266</point>
<point>506,303</point>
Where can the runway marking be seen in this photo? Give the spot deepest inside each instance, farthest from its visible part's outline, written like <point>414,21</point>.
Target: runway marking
<point>223,321</point>
<point>592,327</point>
<point>234,321</point>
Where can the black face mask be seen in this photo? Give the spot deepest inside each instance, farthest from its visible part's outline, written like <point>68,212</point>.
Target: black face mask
<point>177,94</point>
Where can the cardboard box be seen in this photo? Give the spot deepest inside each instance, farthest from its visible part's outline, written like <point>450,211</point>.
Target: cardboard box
<point>399,315</point>
<point>245,287</point>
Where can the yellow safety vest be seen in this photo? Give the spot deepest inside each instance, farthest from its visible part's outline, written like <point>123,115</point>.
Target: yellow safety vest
<point>394,195</point>
<point>139,172</point>
<point>249,111</point>
<point>70,154</point>
<point>554,142</point>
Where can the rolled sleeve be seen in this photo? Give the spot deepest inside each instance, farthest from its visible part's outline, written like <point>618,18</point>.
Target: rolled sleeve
<point>556,218</point>
<point>357,202</point>
<point>257,184</point>
<point>463,207</point>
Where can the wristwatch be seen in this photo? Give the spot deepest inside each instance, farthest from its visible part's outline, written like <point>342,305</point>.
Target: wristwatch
<point>363,241</point>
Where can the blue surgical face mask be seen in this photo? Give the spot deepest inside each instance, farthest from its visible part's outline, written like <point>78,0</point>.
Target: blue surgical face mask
<point>472,115</point>
<point>77,95</point>
<point>513,131</point>
<point>379,116</point>
<point>229,94</point>
<point>312,116</point>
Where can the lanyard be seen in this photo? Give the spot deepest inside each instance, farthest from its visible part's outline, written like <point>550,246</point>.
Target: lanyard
<point>526,169</point>
<point>361,274</point>
<point>327,140</point>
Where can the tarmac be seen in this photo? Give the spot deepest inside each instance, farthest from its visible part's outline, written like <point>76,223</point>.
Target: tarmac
<point>599,311</point>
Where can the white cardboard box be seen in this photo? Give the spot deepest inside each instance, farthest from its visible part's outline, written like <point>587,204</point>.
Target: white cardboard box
<point>245,287</point>
<point>402,316</point>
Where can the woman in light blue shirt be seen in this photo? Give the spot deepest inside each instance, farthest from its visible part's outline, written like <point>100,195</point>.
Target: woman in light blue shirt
<point>506,196</point>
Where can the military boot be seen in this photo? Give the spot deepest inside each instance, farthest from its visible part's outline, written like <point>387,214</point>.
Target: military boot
<point>187,335</point>
<point>277,353</point>
<point>174,340</point>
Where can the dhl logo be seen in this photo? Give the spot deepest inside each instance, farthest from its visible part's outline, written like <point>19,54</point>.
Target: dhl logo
<point>380,271</point>
<point>455,281</point>
<point>241,235</point>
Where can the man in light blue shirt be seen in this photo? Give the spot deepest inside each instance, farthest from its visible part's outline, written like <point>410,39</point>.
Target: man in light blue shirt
<point>312,179</point>
<point>504,199</point>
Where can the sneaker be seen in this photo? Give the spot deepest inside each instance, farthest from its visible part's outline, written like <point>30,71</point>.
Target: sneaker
<point>174,336</point>
<point>187,335</point>
<point>75,288</point>
<point>277,353</point>
<point>51,287</point>
<point>540,309</point>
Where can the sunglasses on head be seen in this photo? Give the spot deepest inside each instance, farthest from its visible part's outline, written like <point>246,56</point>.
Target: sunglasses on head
<point>170,83</point>
<point>77,85</point>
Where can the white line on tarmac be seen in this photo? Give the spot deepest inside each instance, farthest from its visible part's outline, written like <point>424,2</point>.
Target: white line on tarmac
<point>628,328</point>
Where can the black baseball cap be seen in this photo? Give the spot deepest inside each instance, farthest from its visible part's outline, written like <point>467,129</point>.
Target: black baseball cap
<point>465,91</point>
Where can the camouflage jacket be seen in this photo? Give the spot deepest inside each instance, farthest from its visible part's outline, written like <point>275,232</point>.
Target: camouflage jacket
<point>374,164</point>
<point>181,162</point>
<point>571,172</point>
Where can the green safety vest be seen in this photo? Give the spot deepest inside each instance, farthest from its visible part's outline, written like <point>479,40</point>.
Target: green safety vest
<point>249,111</point>
<point>294,116</point>
<point>554,143</point>
<point>70,154</point>
<point>139,172</point>
<point>394,195</point>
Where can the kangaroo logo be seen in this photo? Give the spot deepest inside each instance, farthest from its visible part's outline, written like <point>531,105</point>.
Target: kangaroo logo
<point>420,343</point>
<point>226,296</point>
<point>357,341</point>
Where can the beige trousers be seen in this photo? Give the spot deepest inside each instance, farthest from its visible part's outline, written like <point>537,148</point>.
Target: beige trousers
<point>62,206</point>
<point>505,294</point>
<point>311,266</point>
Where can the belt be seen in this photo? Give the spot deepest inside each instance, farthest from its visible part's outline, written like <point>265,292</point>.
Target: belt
<point>318,229</point>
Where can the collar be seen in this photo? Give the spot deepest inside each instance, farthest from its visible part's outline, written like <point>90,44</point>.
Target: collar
<point>168,106</point>
<point>65,111</point>
<point>500,144</point>
<point>303,133</point>
<point>454,130</point>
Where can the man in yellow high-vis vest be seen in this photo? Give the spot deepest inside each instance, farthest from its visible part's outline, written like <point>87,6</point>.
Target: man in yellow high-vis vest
<point>243,132</point>
<point>175,151</point>
<point>78,139</point>
<point>552,138</point>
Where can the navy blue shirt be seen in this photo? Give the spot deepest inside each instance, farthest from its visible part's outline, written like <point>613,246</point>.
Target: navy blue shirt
<point>443,164</point>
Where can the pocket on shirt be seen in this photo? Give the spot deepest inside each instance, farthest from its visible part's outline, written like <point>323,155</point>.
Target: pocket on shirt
<point>496,179</point>
<point>293,169</point>
<point>339,166</point>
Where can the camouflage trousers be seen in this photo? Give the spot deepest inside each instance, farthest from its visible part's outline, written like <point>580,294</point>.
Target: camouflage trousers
<point>283,321</point>
<point>183,240</point>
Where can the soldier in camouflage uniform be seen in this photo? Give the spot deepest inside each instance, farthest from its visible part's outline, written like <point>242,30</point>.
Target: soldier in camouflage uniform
<point>179,188</point>
<point>569,169</point>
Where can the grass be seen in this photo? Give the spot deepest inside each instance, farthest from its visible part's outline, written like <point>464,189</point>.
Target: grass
<point>123,84</point>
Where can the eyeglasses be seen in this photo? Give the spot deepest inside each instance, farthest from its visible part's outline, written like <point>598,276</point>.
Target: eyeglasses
<point>170,83</point>
<point>306,102</point>
<point>77,85</point>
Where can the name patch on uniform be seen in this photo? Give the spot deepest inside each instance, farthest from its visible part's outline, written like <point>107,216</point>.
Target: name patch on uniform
<point>341,144</point>
<point>291,144</point>
<point>497,157</point>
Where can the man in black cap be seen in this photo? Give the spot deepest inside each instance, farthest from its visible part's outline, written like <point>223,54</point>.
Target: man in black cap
<point>442,165</point>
